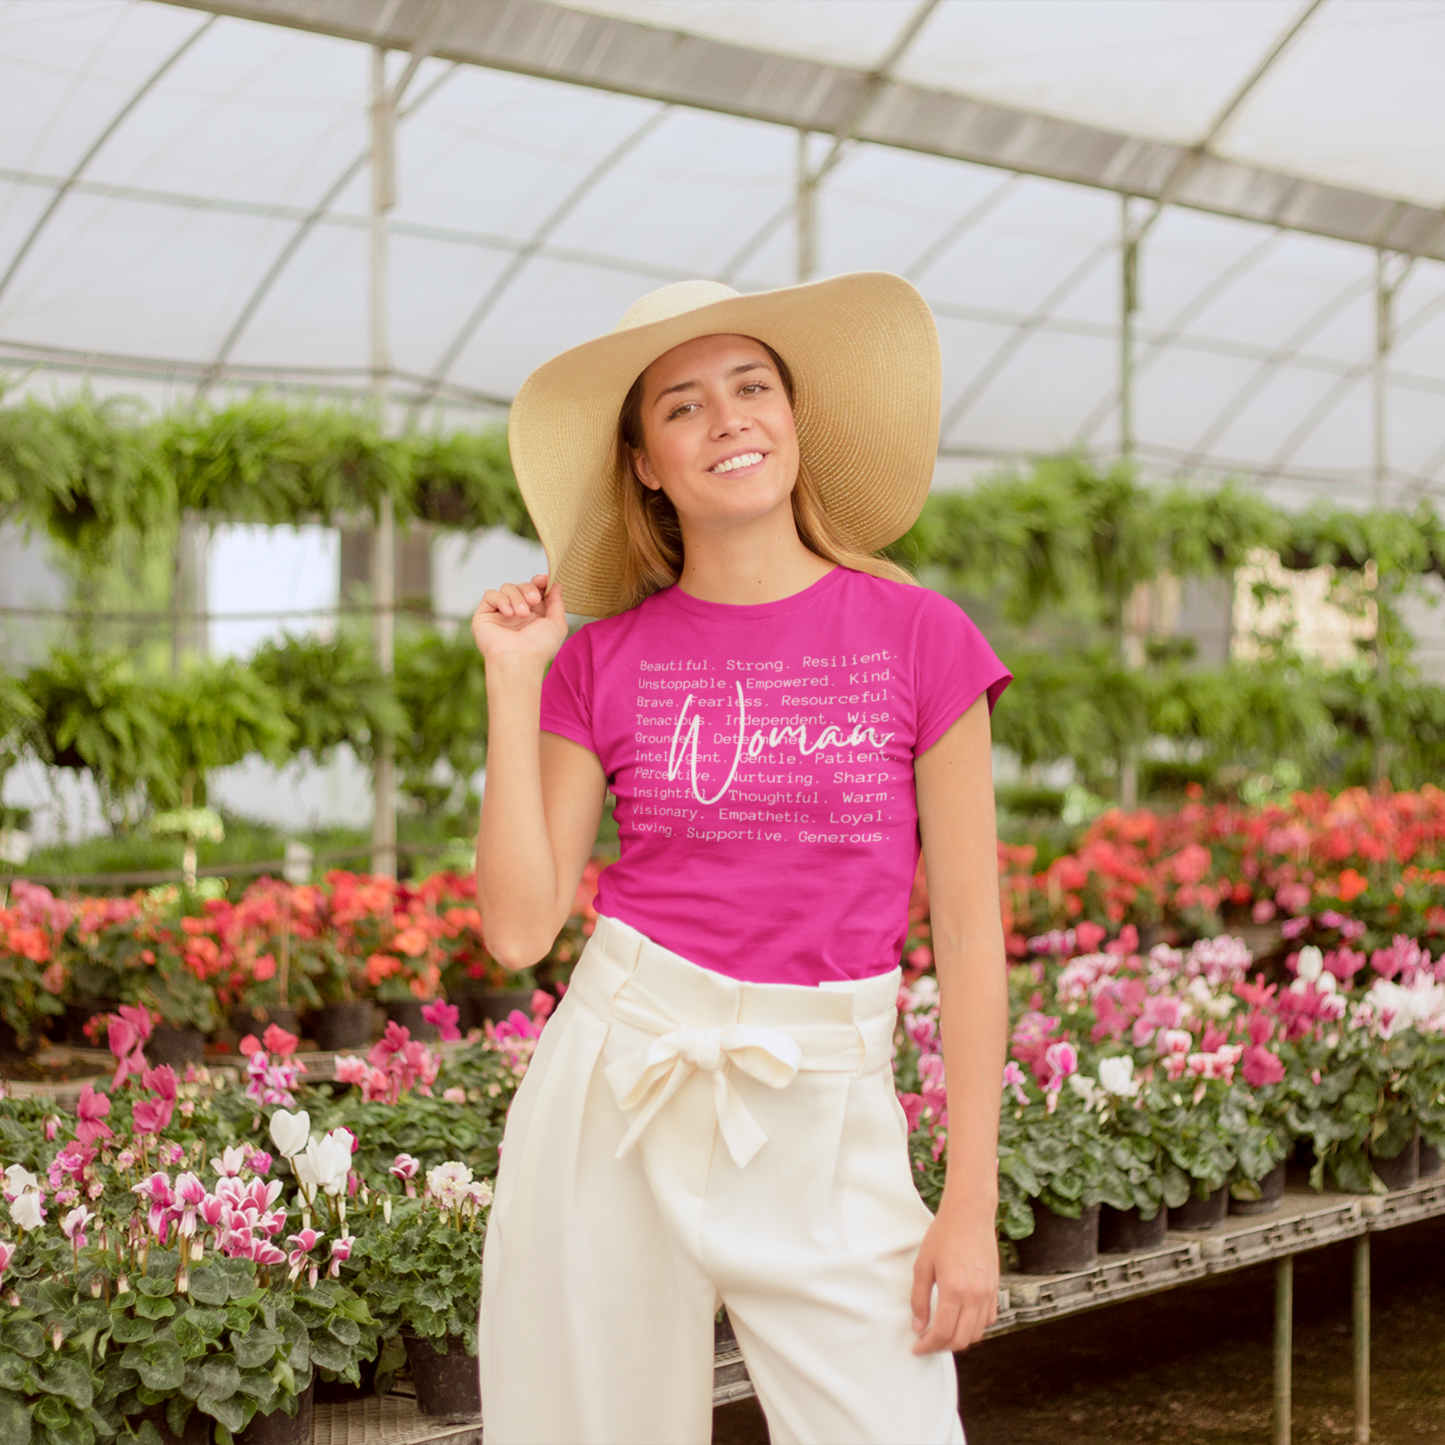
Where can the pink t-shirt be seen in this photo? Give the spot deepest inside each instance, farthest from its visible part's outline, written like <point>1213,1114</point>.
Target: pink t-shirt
<point>762,762</point>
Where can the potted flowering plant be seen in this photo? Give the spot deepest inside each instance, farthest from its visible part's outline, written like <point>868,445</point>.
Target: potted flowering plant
<point>425,1279</point>
<point>154,1277</point>
<point>1361,1060</point>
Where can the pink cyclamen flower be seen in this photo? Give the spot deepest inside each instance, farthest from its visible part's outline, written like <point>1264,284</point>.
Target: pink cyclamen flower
<point>229,1163</point>
<point>73,1225</point>
<point>1060,1060</point>
<point>404,1166</point>
<point>1262,1067</point>
<point>912,1105</point>
<point>1014,1078</point>
<point>350,1069</point>
<point>277,1040</point>
<point>340,1253</point>
<point>90,1110</point>
<point>125,1042</point>
<point>52,1127</point>
<point>444,1017</point>
<point>454,1095</point>
<point>161,1082</point>
<point>151,1116</point>
<point>7,1253</point>
<point>259,1162</point>
<point>542,1003</point>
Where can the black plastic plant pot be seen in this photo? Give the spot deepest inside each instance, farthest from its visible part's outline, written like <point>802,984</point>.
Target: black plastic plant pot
<point>1125,1231</point>
<point>339,1026</point>
<point>1197,1213</point>
<point>407,1013</point>
<point>257,1020</point>
<point>176,1047</point>
<point>10,1045</point>
<point>197,1429</point>
<point>279,1428</point>
<point>1429,1160</point>
<point>1060,1245</point>
<point>1271,1194</point>
<point>78,1013</point>
<point>498,1003</point>
<point>1401,1172</point>
<point>446,1384</point>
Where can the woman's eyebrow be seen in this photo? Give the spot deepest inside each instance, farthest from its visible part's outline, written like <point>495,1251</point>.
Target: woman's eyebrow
<point>687,385</point>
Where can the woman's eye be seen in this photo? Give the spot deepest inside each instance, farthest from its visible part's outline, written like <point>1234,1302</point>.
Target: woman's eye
<point>679,410</point>
<point>753,386</point>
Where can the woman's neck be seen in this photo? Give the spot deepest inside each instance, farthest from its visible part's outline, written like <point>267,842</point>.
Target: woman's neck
<point>764,561</point>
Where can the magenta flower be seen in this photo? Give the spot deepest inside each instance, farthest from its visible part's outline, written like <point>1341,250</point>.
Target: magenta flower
<point>73,1225</point>
<point>340,1253</point>
<point>150,1116</point>
<point>350,1069</point>
<point>91,1109</point>
<point>404,1167</point>
<point>258,1161</point>
<point>444,1016</point>
<point>7,1253</point>
<point>127,1031</point>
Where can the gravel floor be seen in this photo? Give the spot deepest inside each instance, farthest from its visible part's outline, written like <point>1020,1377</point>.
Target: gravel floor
<point>1194,1366</point>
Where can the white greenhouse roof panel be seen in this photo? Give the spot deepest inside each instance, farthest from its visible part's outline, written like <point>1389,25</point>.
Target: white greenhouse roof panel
<point>204,187</point>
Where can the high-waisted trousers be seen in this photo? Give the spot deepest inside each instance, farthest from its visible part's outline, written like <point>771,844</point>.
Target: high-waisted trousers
<point>682,1140</point>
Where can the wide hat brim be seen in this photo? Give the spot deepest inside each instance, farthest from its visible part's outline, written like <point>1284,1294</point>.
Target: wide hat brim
<point>863,350</point>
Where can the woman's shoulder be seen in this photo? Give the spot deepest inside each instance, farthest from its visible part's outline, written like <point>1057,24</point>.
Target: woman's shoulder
<point>910,600</point>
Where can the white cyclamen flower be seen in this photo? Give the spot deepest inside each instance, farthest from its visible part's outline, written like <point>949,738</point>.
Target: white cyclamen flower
<point>18,1179</point>
<point>1310,964</point>
<point>326,1162</point>
<point>449,1183</point>
<point>1084,1087</point>
<point>26,1210</point>
<point>289,1132</point>
<point>1116,1076</point>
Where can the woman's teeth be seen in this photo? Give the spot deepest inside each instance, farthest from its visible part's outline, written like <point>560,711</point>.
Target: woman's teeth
<point>747,459</point>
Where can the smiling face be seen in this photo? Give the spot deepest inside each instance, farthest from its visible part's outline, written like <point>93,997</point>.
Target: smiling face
<point>717,431</point>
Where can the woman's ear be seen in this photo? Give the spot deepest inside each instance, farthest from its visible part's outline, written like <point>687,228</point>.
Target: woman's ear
<point>642,469</point>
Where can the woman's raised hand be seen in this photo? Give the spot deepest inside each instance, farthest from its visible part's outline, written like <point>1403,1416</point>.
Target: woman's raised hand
<point>521,620</point>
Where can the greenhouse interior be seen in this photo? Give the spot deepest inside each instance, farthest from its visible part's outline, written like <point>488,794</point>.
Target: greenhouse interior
<point>272,273</point>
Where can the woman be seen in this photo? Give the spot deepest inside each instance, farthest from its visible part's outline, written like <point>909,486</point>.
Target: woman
<point>710,1116</point>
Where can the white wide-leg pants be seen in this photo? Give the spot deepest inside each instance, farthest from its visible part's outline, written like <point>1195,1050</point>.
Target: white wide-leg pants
<point>680,1140</point>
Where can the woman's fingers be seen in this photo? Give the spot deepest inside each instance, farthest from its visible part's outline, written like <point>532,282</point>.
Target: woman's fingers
<point>961,1314</point>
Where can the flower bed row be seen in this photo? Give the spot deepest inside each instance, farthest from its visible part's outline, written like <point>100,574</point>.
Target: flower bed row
<point>190,963</point>
<point>176,1249</point>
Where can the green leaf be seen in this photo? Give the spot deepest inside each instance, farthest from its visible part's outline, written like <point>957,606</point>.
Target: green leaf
<point>230,1411</point>
<point>256,1348</point>
<point>68,1375</point>
<point>14,1419</point>
<point>220,1377</point>
<point>328,1353</point>
<point>15,1372</point>
<point>178,1411</point>
<point>209,1285</point>
<point>162,1366</point>
<point>26,1338</point>
<point>345,1330</point>
<point>51,1413</point>
<point>154,1309</point>
<point>77,1430</point>
<point>129,1329</point>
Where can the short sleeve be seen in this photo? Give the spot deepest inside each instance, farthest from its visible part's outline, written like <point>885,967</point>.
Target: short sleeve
<point>952,665</point>
<point>567,692</point>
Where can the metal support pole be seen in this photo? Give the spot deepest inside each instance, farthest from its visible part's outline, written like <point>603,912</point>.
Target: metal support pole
<point>1128,307</point>
<point>383,549</point>
<point>1283,1346</point>
<point>1384,309</point>
<point>807,206</point>
<point>1361,1302</point>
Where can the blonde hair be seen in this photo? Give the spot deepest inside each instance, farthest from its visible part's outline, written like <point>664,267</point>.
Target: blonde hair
<point>653,557</point>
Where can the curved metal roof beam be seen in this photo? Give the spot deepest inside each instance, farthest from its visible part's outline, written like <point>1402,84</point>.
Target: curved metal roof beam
<point>988,373</point>
<point>1293,346</point>
<point>514,268</point>
<point>956,230</point>
<point>1174,329</point>
<point>1342,388</point>
<point>293,244</point>
<point>842,137</point>
<point>148,85</point>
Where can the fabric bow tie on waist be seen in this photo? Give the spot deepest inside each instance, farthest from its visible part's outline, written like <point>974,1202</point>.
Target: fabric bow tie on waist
<point>646,1080</point>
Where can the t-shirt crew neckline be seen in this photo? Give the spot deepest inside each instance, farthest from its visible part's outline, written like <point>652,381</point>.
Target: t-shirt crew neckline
<point>750,611</point>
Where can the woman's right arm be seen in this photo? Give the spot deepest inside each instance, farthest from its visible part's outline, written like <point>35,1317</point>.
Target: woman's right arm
<point>544,794</point>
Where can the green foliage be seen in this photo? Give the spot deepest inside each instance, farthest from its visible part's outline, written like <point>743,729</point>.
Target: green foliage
<point>464,479</point>
<point>217,714</point>
<point>332,692</point>
<point>441,685</point>
<point>92,713</point>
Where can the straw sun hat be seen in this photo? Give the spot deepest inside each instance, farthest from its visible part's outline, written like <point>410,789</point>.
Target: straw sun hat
<point>863,351</point>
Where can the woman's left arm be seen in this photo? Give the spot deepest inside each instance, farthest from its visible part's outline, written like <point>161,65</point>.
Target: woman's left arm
<point>959,1253</point>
